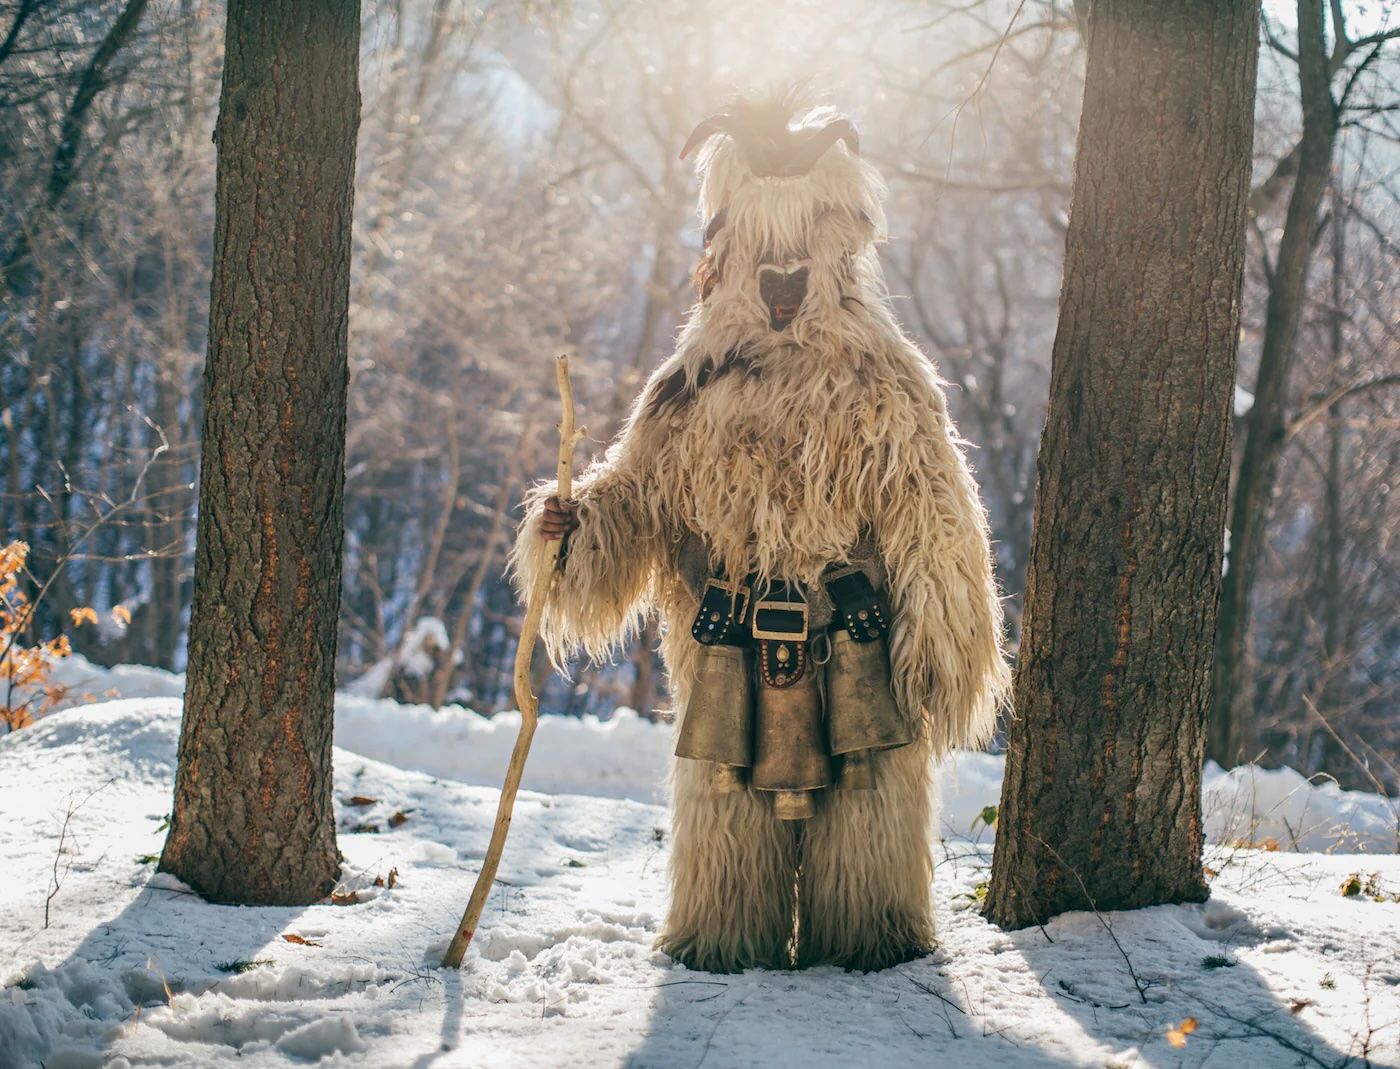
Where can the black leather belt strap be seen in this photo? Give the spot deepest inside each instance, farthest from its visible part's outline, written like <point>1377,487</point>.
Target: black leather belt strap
<point>720,620</point>
<point>856,602</point>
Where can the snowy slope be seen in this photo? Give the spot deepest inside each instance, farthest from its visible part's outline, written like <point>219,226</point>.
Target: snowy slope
<point>1278,968</point>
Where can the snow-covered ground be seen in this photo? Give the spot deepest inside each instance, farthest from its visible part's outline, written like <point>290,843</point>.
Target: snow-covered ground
<point>1279,968</point>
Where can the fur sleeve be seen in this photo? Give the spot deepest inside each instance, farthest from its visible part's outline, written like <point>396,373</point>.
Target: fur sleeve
<point>946,642</point>
<point>609,575</point>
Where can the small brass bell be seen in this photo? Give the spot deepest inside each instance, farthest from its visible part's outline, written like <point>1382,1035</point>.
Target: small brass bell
<point>726,779</point>
<point>794,805</point>
<point>857,771</point>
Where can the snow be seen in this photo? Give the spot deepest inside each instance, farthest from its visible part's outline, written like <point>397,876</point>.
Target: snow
<point>1254,805</point>
<point>413,658</point>
<point>1244,401</point>
<point>1278,967</point>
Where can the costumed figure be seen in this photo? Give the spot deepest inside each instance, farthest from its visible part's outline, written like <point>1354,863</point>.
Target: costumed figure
<point>789,495</point>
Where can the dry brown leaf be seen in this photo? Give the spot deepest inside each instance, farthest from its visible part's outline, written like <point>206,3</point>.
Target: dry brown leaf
<point>345,898</point>
<point>292,937</point>
<point>398,819</point>
<point>1177,1036</point>
<point>361,800</point>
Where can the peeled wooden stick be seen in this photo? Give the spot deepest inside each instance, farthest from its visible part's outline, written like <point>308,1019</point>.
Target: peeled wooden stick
<point>529,704</point>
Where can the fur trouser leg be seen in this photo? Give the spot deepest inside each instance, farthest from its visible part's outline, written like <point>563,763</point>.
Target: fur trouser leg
<point>733,878</point>
<point>866,882</point>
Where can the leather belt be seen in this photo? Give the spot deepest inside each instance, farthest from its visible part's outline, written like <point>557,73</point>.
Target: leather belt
<point>729,615</point>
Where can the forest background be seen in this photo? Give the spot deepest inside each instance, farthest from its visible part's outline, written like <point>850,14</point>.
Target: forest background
<point>519,194</point>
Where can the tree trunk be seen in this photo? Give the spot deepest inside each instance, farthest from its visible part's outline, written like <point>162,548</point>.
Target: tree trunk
<point>1101,805</point>
<point>253,820</point>
<point>1232,725</point>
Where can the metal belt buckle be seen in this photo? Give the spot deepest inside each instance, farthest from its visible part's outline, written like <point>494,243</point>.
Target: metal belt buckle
<point>791,634</point>
<point>738,592</point>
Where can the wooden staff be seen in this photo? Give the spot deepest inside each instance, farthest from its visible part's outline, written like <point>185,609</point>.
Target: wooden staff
<point>529,704</point>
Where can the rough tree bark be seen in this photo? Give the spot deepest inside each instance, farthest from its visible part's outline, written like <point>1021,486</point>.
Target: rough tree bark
<point>253,820</point>
<point>1101,802</point>
<point>1232,723</point>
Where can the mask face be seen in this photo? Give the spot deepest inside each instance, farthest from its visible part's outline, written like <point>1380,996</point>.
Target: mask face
<point>792,216</point>
<point>783,288</point>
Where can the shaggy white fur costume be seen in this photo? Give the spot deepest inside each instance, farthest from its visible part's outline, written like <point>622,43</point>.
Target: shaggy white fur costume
<point>834,427</point>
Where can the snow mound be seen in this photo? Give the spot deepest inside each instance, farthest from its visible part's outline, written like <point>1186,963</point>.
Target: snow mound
<point>623,757</point>
<point>1284,810</point>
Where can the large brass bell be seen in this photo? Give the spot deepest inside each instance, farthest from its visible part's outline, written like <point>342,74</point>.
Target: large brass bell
<point>790,754</point>
<point>718,717</point>
<point>863,715</point>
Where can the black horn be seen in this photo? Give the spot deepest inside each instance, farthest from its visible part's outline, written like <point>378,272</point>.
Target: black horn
<point>805,156</point>
<point>715,124</point>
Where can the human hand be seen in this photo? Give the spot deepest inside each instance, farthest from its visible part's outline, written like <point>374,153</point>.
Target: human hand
<point>560,519</point>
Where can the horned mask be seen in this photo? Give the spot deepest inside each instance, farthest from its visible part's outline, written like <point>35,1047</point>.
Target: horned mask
<point>792,215</point>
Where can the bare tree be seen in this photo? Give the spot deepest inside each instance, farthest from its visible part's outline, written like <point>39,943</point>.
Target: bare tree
<point>253,821</point>
<point>1101,801</point>
<point>1308,165</point>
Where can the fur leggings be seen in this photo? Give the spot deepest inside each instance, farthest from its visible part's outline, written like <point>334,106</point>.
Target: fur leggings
<point>850,887</point>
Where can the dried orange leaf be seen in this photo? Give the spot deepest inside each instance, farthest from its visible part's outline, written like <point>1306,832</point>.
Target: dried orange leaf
<point>84,615</point>
<point>292,937</point>
<point>121,615</point>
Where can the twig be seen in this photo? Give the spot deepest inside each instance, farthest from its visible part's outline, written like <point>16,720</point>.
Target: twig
<point>56,882</point>
<point>1258,1031</point>
<point>1141,985</point>
<point>928,989</point>
<point>529,704</point>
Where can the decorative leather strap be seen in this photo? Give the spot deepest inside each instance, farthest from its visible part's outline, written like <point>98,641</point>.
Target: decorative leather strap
<point>720,619</point>
<point>857,603</point>
<point>782,663</point>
